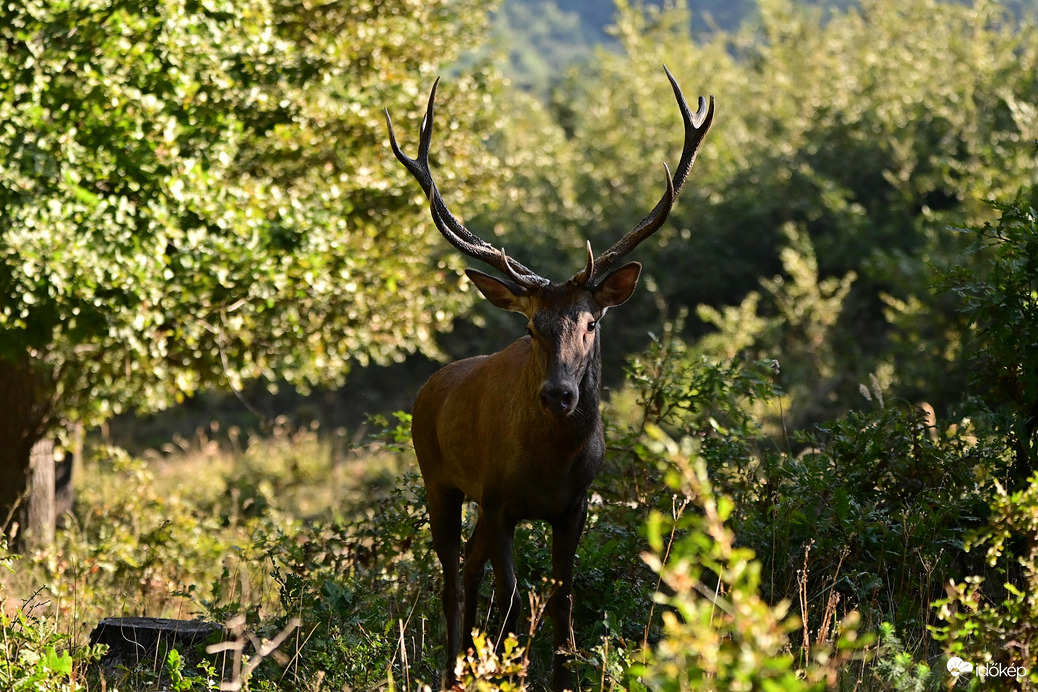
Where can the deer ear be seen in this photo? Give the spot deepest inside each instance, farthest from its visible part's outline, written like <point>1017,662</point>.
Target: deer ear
<point>503,293</point>
<point>618,286</point>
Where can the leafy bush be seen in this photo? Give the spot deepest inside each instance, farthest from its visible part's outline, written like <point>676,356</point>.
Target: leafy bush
<point>875,503</point>
<point>1000,304</point>
<point>865,516</point>
<point>896,668</point>
<point>718,632</point>
<point>482,669</point>
<point>362,590</point>
<point>983,626</point>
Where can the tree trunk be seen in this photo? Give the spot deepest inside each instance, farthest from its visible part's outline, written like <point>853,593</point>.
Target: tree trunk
<point>26,405</point>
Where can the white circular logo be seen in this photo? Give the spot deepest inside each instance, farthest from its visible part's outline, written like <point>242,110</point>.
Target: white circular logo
<point>956,666</point>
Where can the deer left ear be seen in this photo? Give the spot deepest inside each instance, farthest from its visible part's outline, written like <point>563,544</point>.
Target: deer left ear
<point>618,286</point>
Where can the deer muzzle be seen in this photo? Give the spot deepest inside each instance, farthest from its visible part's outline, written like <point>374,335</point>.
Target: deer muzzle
<point>559,398</point>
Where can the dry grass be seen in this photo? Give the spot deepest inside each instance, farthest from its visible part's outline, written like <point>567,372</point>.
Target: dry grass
<point>182,528</point>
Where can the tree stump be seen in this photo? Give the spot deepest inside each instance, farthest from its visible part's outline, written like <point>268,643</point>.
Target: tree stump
<point>134,640</point>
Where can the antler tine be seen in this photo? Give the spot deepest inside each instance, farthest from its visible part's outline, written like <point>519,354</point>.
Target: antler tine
<point>449,226</point>
<point>696,126</point>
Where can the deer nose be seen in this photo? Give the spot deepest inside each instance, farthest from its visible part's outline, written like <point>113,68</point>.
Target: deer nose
<point>559,399</point>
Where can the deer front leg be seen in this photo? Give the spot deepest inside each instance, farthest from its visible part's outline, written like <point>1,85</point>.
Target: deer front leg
<point>445,524</point>
<point>492,539</point>
<point>502,560</point>
<point>476,552</point>
<point>566,533</point>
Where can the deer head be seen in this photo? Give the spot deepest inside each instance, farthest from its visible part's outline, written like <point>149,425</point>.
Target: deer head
<point>562,317</point>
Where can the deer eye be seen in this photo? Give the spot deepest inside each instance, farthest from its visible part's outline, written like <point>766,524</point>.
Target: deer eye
<point>591,325</point>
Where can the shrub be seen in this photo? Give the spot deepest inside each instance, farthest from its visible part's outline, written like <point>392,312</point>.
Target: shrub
<point>718,632</point>
<point>1000,306</point>
<point>865,515</point>
<point>983,626</point>
<point>880,497</point>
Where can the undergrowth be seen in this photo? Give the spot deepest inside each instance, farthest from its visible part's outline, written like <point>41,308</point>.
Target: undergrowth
<point>720,551</point>
<point>765,567</point>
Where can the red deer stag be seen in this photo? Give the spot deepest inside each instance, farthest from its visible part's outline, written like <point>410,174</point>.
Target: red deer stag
<point>520,432</point>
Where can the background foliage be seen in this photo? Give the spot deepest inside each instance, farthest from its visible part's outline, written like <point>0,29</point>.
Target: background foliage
<point>836,131</point>
<point>828,401</point>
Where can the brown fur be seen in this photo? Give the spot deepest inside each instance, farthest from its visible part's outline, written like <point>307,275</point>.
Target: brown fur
<point>493,429</point>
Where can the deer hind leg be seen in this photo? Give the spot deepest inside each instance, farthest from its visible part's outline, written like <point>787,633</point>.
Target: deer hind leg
<point>445,524</point>
<point>566,533</point>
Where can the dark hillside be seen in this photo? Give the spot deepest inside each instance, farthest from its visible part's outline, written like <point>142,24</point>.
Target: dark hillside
<point>543,38</point>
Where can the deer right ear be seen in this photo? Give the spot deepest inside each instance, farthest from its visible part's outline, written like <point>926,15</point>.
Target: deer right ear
<point>504,294</point>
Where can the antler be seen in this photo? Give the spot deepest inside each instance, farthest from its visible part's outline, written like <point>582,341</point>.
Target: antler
<point>696,126</point>
<point>452,229</point>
